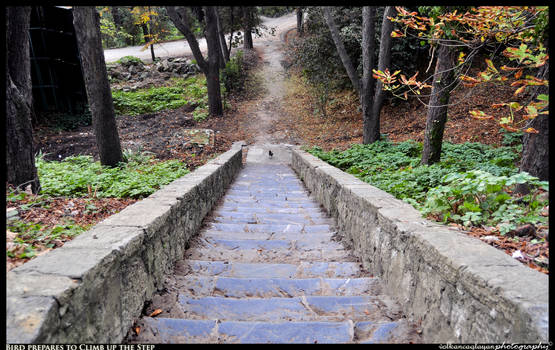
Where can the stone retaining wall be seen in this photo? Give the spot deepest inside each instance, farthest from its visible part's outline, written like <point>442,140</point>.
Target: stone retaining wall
<point>458,288</point>
<point>92,289</point>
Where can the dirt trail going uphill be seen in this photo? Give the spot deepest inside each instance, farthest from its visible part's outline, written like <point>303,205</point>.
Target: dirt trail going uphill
<point>262,119</point>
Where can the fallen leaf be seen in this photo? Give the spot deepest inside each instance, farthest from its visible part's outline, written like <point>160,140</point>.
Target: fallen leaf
<point>155,313</point>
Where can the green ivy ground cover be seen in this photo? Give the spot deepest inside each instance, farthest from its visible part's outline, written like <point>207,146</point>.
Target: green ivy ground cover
<point>182,92</point>
<point>472,185</point>
<point>139,177</point>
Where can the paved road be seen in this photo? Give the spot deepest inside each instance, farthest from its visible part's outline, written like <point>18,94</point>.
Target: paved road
<point>181,47</point>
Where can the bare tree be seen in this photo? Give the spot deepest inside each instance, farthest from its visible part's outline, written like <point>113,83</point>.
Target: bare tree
<point>210,66</point>
<point>99,95</point>
<point>365,88</point>
<point>384,61</point>
<point>20,158</point>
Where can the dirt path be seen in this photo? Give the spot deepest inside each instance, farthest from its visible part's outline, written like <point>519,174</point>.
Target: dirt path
<point>263,117</point>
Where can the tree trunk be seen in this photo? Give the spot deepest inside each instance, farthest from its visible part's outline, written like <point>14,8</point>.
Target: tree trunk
<point>231,25</point>
<point>180,19</point>
<point>384,61</point>
<point>151,37</point>
<point>210,67</point>
<point>213,77</point>
<point>345,59</point>
<point>87,30</point>
<point>443,81</point>
<point>535,149</point>
<point>247,27</point>
<point>221,37</point>
<point>300,21</point>
<point>20,157</point>
<point>116,15</point>
<point>370,131</point>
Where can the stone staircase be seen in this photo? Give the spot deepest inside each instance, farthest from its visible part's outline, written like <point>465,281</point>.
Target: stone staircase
<point>266,269</point>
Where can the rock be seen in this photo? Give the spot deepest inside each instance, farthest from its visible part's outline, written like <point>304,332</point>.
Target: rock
<point>200,137</point>
<point>526,230</point>
<point>12,214</point>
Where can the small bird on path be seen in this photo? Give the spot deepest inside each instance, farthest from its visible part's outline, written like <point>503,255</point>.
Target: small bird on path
<point>270,153</point>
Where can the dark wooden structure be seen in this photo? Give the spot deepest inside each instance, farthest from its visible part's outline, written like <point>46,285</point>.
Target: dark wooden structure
<point>58,84</point>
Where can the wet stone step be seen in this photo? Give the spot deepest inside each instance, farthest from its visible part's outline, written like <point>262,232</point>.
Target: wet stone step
<point>170,330</point>
<point>270,270</point>
<point>233,287</point>
<point>309,308</point>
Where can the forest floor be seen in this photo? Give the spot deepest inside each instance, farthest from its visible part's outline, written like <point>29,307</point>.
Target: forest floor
<point>277,107</point>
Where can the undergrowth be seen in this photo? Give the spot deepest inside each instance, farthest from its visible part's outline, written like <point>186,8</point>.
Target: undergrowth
<point>472,185</point>
<point>181,92</point>
<point>80,176</point>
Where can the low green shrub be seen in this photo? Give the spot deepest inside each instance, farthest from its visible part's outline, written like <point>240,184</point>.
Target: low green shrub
<point>182,92</point>
<point>472,184</point>
<point>76,176</point>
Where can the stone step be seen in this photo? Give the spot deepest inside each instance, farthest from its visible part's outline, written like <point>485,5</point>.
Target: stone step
<point>233,287</point>
<point>284,187</point>
<point>265,192</point>
<point>267,244</point>
<point>269,218</point>
<point>169,330</point>
<point>227,207</point>
<point>248,199</point>
<point>317,238</point>
<point>277,228</point>
<point>276,309</point>
<point>172,330</point>
<point>269,270</point>
<point>266,251</point>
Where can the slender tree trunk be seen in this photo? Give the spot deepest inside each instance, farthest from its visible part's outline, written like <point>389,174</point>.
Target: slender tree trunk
<point>221,37</point>
<point>210,67</point>
<point>437,111</point>
<point>87,30</point>
<point>370,131</point>
<point>151,37</point>
<point>535,150</point>
<point>247,27</point>
<point>231,25</point>
<point>300,21</point>
<point>384,61</point>
<point>213,77</point>
<point>345,59</point>
<point>20,157</point>
<point>116,15</point>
